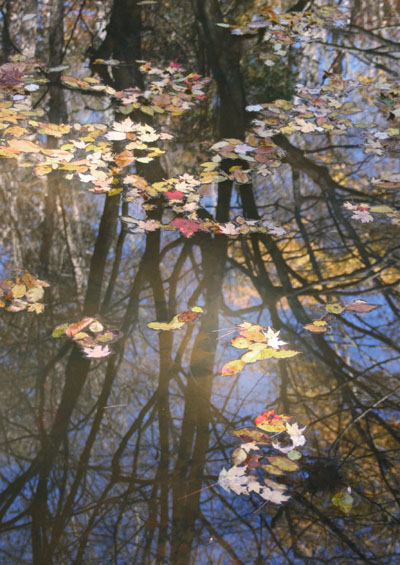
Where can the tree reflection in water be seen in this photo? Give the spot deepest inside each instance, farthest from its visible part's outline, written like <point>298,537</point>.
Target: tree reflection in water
<point>108,461</point>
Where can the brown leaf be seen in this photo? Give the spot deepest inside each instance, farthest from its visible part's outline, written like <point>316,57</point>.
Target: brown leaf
<point>78,326</point>
<point>248,435</point>
<point>361,306</point>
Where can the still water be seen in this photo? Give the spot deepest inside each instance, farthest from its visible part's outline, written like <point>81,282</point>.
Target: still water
<point>114,433</point>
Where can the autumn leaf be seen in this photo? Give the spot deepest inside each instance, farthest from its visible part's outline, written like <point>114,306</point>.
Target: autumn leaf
<point>318,326</point>
<point>232,367</point>
<point>97,352</point>
<point>283,463</point>
<point>59,330</point>
<point>18,291</point>
<point>76,327</point>
<point>248,435</point>
<point>271,422</point>
<point>361,306</point>
<point>24,145</point>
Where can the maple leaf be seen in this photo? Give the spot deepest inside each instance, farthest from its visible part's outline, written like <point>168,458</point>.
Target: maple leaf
<point>97,352</point>
<point>363,215</point>
<point>273,338</point>
<point>235,479</point>
<point>275,496</point>
<point>229,228</point>
<point>271,422</point>
<point>187,227</point>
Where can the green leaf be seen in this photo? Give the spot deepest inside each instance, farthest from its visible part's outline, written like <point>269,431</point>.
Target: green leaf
<point>335,308</point>
<point>344,501</point>
<point>59,330</point>
<point>294,455</point>
<point>283,463</point>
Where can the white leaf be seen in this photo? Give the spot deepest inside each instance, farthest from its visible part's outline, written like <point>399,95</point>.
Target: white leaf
<point>275,496</point>
<point>235,479</point>
<point>97,352</point>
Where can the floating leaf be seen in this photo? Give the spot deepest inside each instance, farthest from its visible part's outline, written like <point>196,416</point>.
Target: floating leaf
<point>59,330</point>
<point>294,455</point>
<point>361,306</point>
<point>18,291</point>
<point>318,326</point>
<point>271,422</point>
<point>344,501</point>
<point>248,435</point>
<point>240,342</point>
<point>76,327</point>
<point>283,463</point>
<point>97,352</point>
<point>232,367</point>
<point>335,308</point>
<point>35,294</point>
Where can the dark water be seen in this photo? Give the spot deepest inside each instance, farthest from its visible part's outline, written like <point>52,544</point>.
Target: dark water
<point>116,460</point>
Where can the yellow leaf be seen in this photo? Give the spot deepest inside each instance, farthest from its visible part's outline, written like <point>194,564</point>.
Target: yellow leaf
<point>18,291</point>
<point>35,294</point>
<point>335,308</point>
<point>24,145</point>
<point>36,307</point>
<point>240,342</point>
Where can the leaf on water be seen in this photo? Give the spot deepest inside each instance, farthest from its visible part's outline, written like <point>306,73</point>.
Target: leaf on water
<point>35,294</point>
<point>234,479</point>
<point>361,306</point>
<point>343,500</point>
<point>283,463</point>
<point>96,327</point>
<point>275,496</point>
<point>36,307</point>
<point>318,326</point>
<point>18,291</point>
<point>249,435</point>
<point>24,145</point>
<point>232,367</point>
<point>294,455</point>
<point>335,308</point>
<point>273,470</point>
<point>271,422</point>
<point>240,342</point>
<point>59,330</point>
<point>17,305</point>
<point>284,353</point>
<point>97,352</point>
<point>163,326</point>
<point>108,336</point>
<point>76,327</point>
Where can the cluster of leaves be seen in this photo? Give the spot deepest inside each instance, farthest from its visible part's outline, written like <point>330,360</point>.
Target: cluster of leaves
<point>189,226</point>
<point>170,91</point>
<point>87,151</point>
<point>280,31</point>
<point>260,342</point>
<point>251,467</point>
<point>336,308</point>
<point>362,212</point>
<point>23,292</point>
<point>91,335</point>
<point>178,321</point>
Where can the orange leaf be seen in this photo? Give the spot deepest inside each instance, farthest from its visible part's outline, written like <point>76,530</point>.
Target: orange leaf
<point>78,326</point>
<point>24,145</point>
<point>232,367</point>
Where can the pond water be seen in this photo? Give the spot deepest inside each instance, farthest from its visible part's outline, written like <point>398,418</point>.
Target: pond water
<point>164,332</point>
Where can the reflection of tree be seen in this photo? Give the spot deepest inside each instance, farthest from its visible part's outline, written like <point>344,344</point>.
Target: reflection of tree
<point>112,458</point>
